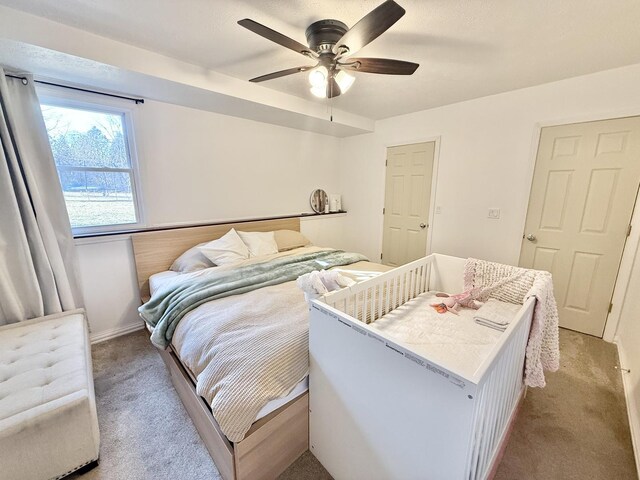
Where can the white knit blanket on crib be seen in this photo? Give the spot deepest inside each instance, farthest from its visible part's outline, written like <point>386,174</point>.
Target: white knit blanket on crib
<point>543,350</point>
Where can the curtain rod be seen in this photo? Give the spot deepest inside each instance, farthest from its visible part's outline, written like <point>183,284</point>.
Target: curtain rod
<point>25,80</point>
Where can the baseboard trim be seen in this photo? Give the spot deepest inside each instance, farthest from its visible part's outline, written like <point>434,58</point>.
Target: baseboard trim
<point>115,332</point>
<point>632,408</point>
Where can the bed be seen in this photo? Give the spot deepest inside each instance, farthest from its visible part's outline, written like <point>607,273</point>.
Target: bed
<point>279,432</point>
<point>400,391</point>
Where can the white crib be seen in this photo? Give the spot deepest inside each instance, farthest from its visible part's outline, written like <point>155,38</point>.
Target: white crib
<point>379,410</point>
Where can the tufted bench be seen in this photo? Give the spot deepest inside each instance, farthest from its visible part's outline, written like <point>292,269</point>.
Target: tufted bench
<point>48,422</point>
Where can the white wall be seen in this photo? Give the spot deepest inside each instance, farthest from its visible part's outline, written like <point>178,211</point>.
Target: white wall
<point>108,280</point>
<point>198,166</point>
<point>487,150</point>
<point>628,340</point>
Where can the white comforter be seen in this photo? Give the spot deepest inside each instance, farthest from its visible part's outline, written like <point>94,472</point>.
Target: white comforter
<point>248,349</point>
<point>244,351</point>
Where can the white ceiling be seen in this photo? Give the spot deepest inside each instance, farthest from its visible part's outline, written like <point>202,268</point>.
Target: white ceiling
<point>466,49</point>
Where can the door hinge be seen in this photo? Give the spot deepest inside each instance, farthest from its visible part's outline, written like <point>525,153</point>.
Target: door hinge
<point>610,307</point>
<point>380,256</point>
<point>386,162</point>
<point>384,210</point>
<point>629,230</point>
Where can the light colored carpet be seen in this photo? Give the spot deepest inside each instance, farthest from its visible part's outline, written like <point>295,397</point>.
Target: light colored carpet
<point>575,428</point>
<point>145,432</point>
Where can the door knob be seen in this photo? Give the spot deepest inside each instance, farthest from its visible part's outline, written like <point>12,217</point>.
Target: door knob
<point>531,237</point>
<point>423,226</point>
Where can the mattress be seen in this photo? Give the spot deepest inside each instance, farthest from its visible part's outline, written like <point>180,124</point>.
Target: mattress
<point>456,341</point>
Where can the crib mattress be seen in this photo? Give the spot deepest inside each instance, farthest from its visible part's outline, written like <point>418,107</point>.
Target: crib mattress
<point>456,341</point>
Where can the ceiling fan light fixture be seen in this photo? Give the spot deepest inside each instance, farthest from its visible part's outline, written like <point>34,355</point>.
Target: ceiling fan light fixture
<point>319,91</point>
<point>318,77</point>
<point>331,43</point>
<point>344,80</point>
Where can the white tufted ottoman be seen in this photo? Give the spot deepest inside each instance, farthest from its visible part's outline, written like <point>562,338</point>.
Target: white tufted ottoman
<point>48,422</point>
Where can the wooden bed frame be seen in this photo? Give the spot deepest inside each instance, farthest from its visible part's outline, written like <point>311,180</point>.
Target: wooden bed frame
<point>274,441</point>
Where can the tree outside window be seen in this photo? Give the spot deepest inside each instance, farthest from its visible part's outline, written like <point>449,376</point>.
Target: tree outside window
<point>92,156</point>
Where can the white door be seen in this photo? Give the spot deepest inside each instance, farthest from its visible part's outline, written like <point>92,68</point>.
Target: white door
<point>406,203</point>
<point>582,197</point>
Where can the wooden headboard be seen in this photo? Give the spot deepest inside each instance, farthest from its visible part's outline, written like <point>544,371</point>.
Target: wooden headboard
<point>155,251</point>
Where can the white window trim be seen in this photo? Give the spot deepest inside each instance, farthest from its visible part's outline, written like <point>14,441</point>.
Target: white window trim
<point>93,102</point>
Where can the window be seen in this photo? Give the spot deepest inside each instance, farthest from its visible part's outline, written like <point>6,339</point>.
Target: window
<point>91,147</point>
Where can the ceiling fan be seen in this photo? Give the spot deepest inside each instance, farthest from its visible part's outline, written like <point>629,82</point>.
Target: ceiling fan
<point>331,43</point>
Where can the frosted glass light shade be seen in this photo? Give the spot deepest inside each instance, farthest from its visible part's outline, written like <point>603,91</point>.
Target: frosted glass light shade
<point>318,77</point>
<point>320,92</point>
<point>344,81</point>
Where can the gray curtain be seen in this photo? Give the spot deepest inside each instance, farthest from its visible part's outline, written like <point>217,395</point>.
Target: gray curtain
<point>37,256</point>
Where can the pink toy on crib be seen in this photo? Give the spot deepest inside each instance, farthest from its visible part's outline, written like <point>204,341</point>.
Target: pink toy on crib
<point>450,303</point>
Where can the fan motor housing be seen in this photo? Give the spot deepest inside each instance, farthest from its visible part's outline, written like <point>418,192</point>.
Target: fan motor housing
<point>324,34</point>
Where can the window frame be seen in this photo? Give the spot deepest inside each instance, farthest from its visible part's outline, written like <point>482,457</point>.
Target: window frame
<point>51,96</point>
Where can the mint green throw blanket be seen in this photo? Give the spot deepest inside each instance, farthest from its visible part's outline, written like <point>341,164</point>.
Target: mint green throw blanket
<point>167,307</point>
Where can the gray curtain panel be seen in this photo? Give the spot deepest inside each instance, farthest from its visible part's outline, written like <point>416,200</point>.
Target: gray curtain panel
<point>37,256</point>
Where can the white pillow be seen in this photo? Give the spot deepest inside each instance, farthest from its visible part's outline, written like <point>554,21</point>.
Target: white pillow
<point>259,243</point>
<point>227,249</point>
<point>191,260</point>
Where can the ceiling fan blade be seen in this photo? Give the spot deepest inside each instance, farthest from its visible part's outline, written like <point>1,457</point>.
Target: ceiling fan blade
<point>370,27</point>
<point>281,73</point>
<point>384,66</point>
<point>274,36</point>
<point>333,89</point>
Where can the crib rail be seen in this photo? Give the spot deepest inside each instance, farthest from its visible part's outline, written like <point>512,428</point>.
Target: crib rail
<point>370,300</point>
<point>500,384</point>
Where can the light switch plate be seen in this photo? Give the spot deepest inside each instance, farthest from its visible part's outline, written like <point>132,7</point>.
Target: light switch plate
<point>494,213</point>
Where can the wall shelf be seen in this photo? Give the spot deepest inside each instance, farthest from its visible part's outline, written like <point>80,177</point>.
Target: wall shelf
<point>303,215</point>
<point>318,216</point>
